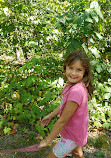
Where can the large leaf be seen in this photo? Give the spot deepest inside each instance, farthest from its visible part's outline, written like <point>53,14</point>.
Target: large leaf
<point>96,6</point>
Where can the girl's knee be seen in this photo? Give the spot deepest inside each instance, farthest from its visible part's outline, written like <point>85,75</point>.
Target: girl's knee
<point>77,152</point>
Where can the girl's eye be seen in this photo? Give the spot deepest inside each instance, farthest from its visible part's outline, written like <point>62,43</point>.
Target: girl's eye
<point>79,70</point>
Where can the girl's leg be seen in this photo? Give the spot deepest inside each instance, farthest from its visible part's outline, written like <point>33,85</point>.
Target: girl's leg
<point>77,152</point>
<point>51,155</point>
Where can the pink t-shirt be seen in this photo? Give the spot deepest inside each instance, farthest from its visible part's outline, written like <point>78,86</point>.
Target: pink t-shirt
<point>77,127</point>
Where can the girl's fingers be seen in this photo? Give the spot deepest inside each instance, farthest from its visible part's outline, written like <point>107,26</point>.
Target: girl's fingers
<point>43,144</point>
<point>42,123</point>
<point>45,122</point>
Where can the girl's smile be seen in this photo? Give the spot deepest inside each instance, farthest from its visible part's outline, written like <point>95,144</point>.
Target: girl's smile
<point>75,72</point>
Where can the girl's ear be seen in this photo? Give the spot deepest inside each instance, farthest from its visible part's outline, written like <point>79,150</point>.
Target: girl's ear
<point>85,73</point>
<point>65,79</point>
<point>64,67</point>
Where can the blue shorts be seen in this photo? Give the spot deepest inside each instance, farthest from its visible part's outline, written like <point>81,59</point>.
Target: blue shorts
<point>64,147</point>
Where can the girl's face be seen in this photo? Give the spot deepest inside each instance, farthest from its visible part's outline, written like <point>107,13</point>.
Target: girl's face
<point>75,72</point>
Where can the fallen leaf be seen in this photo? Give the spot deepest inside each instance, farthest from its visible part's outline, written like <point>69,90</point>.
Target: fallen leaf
<point>27,140</point>
<point>94,135</point>
<point>2,137</point>
<point>17,94</point>
<point>14,130</point>
<point>100,128</point>
<point>40,93</point>
<point>39,137</point>
<point>14,118</point>
<point>94,130</point>
<point>101,134</point>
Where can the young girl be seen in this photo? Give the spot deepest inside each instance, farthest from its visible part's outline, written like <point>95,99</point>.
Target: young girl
<point>73,122</point>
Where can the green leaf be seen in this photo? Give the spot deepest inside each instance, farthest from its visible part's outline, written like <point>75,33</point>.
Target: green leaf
<point>88,19</point>
<point>95,18</point>
<point>7,130</point>
<point>107,96</point>
<point>97,124</point>
<point>99,154</point>
<point>33,44</point>
<point>73,45</point>
<point>19,106</point>
<point>98,35</point>
<point>85,47</point>
<point>87,16</point>
<point>96,6</point>
<point>1,121</point>
<point>99,13</point>
<point>106,125</point>
<point>95,52</point>
<point>63,20</point>
<point>79,21</point>
<point>99,68</point>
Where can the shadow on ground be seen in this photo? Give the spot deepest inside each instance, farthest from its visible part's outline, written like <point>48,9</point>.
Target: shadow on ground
<point>19,140</point>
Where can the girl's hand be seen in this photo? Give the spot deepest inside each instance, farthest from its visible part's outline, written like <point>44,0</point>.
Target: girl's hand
<point>43,144</point>
<point>46,120</point>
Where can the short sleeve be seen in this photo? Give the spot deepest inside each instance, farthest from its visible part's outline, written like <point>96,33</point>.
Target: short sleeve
<point>76,95</point>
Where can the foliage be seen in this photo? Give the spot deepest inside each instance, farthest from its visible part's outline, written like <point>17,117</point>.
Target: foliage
<point>99,154</point>
<point>31,91</point>
<point>35,36</point>
<point>100,142</point>
<point>99,109</point>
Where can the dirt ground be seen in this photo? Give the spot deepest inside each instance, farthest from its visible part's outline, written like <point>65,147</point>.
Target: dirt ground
<point>20,140</point>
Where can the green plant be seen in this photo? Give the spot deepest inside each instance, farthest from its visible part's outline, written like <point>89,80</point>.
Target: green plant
<point>7,130</point>
<point>99,107</point>
<point>35,36</point>
<point>100,142</point>
<point>99,154</point>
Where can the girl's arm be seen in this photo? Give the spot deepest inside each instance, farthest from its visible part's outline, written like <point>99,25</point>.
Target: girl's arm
<point>68,111</point>
<point>46,120</point>
<point>55,112</point>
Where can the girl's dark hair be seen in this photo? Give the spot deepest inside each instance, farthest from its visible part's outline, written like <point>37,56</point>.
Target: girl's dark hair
<point>81,55</point>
